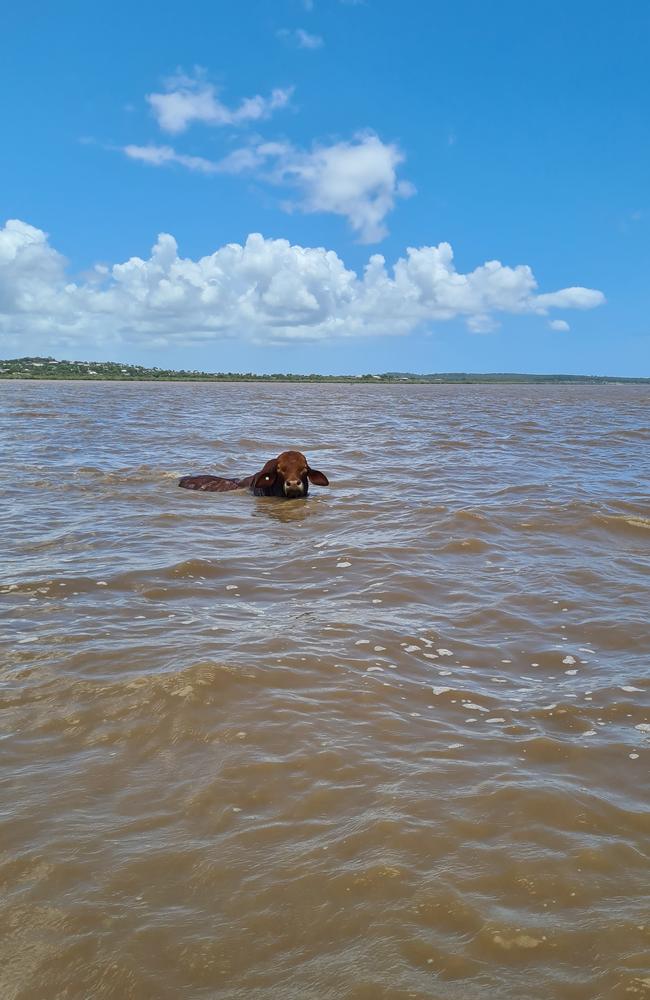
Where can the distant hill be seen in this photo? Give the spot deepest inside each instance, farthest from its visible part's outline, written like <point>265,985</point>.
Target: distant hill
<point>49,368</point>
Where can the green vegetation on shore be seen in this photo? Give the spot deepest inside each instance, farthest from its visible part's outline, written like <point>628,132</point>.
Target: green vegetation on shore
<point>49,368</point>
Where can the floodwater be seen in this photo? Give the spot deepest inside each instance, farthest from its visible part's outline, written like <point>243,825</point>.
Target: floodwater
<point>387,743</point>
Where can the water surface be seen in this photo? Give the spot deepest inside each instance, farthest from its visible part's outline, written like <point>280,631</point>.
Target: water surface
<point>388,743</point>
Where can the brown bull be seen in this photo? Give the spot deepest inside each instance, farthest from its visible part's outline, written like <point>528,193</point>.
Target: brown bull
<point>288,475</point>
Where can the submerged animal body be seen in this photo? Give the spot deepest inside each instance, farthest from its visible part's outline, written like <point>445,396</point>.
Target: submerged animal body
<point>288,476</point>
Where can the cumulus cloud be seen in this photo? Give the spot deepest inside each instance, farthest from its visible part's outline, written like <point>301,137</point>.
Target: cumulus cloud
<point>266,291</point>
<point>189,99</point>
<point>559,324</point>
<point>357,179</point>
<point>301,38</point>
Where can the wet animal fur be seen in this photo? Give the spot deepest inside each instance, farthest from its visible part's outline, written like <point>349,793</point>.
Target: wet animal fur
<point>288,476</point>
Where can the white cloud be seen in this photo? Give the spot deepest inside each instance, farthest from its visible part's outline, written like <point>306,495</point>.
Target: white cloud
<point>301,38</point>
<point>158,156</point>
<point>307,41</point>
<point>357,179</point>
<point>239,161</point>
<point>559,324</point>
<point>266,291</point>
<point>189,99</point>
<point>572,298</point>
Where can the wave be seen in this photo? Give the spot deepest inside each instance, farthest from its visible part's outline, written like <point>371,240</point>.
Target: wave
<point>623,522</point>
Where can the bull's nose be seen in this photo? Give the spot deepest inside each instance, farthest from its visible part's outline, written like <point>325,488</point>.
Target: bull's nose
<point>293,486</point>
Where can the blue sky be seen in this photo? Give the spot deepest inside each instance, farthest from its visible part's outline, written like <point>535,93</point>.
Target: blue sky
<point>339,131</point>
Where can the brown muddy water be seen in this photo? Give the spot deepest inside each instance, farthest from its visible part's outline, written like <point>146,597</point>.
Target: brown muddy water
<point>388,742</point>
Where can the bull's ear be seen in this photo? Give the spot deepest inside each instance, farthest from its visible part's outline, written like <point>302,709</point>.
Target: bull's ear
<point>317,478</point>
<point>266,476</point>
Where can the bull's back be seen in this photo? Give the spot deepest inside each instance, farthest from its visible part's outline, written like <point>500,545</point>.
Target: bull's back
<point>211,484</point>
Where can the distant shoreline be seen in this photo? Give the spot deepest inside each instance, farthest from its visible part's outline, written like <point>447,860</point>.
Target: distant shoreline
<point>50,370</point>
<point>344,380</point>
<point>331,380</point>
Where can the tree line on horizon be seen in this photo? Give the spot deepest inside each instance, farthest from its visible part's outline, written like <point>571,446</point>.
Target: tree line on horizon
<point>50,368</point>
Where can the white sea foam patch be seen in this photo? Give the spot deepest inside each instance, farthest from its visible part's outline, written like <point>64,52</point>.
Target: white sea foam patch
<point>518,941</point>
<point>633,521</point>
